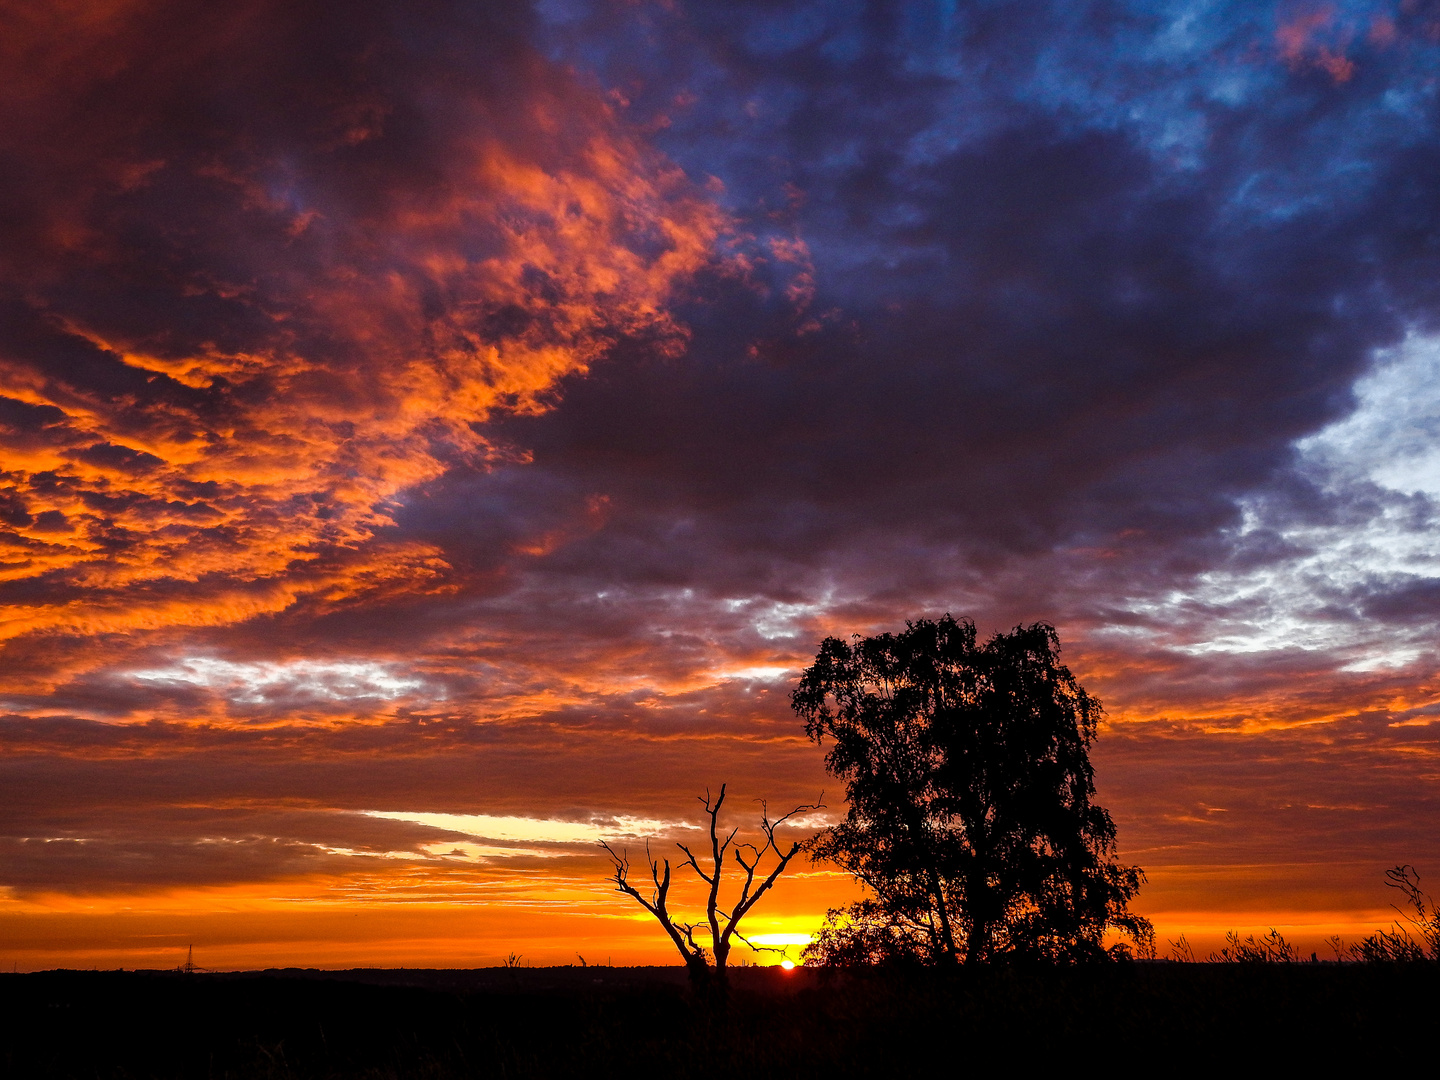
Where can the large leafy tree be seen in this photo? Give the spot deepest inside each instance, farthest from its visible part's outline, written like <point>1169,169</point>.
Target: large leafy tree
<point>971,816</point>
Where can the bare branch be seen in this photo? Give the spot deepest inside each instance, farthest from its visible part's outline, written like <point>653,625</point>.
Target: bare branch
<point>759,948</point>
<point>749,868</point>
<point>690,861</point>
<point>748,899</point>
<point>720,945</point>
<point>723,925</point>
<point>688,929</point>
<point>656,905</point>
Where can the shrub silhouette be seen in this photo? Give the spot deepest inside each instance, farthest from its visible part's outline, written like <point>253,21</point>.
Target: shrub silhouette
<point>1400,945</point>
<point>1415,937</point>
<point>1270,948</point>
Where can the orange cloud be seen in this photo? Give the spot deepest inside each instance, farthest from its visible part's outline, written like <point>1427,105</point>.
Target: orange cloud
<point>369,336</point>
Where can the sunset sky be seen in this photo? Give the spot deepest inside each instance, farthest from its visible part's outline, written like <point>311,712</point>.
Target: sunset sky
<point>434,436</point>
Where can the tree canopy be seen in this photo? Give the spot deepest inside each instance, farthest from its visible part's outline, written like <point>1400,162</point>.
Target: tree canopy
<point>971,817</point>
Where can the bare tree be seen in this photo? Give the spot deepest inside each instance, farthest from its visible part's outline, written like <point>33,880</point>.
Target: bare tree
<point>723,924</point>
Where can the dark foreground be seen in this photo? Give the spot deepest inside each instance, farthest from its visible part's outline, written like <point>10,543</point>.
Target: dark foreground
<point>612,1021</point>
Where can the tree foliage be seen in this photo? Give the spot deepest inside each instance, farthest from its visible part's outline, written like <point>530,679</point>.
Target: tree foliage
<point>971,816</point>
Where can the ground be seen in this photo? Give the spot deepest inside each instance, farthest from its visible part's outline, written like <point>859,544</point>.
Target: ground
<point>616,1021</point>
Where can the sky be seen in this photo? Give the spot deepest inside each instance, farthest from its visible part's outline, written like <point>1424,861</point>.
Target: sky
<point>435,435</point>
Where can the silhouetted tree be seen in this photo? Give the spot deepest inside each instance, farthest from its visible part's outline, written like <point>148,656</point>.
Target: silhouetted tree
<point>971,820</point>
<point>723,925</point>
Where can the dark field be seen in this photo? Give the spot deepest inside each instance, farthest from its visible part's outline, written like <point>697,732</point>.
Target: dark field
<point>1170,1018</point>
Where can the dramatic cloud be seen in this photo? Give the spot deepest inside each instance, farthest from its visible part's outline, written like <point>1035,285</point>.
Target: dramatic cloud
<point>269,267</point>
<point>427,427</point>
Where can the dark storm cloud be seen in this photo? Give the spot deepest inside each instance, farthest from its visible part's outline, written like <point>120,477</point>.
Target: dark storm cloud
<point>1038,318</point>
<point>1009,279</point>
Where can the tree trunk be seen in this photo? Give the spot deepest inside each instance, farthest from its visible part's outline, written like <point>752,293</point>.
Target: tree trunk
<point>710,989</point>
<point>701,975</point>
